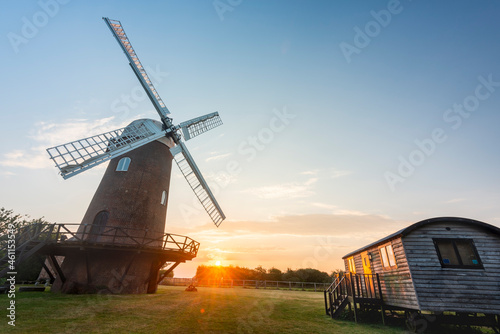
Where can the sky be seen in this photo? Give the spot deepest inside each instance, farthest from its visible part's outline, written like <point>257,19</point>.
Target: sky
<point>344,121</point>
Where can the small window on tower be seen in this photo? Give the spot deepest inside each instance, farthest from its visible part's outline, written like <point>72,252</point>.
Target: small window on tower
<point>123,164</point>
<point>164,198</point>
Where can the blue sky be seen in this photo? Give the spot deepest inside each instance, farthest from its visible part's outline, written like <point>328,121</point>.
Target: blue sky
<point>315,132</point>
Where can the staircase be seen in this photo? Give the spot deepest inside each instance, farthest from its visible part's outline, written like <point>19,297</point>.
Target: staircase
<point>336,296</point>
<point>28,241</point>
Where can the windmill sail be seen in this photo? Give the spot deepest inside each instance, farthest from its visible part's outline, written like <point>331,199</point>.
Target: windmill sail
<point>197,182</point>
<point>198,125</point>
<point>118,32</point>
<point>77,156</point>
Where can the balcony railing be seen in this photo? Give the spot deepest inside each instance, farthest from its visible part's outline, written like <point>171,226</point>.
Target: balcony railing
<point>66,234</point>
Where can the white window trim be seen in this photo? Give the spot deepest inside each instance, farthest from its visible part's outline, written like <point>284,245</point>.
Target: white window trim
<point>351,264</point>
<point>123,164</point>
<point>387,257</point>
<point>163,197</point>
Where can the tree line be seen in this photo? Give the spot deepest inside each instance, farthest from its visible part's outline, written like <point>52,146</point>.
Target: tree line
<point>28,270</point>
<point>259,273</point>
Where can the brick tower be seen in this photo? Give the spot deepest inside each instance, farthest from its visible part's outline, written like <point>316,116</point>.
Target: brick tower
<point>129,205</point>
<point>120,244</point>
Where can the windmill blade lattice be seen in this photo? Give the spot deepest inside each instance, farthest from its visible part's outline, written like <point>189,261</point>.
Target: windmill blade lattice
<point>196,181</point>
<point>118,32</point>
<point>199,125</point>
<point>77,156</point>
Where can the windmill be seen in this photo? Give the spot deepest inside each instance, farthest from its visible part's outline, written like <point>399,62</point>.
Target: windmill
<point>131,200</point>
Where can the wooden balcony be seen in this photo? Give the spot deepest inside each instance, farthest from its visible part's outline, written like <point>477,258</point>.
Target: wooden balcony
<point>353,290</point>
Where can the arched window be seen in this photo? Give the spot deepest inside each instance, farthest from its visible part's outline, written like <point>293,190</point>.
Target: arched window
<point>164,198</point>
<point>123,164</point>
<point>98,225</point>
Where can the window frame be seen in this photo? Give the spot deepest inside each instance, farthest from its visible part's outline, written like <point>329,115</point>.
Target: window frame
<point>351,264</point>
<point>457,253</point>
<point>123,164</point>
<point>163,200</point>
<point>383,248</point>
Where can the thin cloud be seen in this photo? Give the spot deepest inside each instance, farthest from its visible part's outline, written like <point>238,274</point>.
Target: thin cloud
<point>47,134</point>
<point>339,173</point>
<point>350,213</point>
<point>336,211</point>
<point>222,179</point>
<point>299,225</point>
<point>325,206</point>
<point>290,241</point>
<point>52,133</point>
<point>285,190</point>
<point>332,173</point>
<point>34,158</point>
<point>310,172</point>
<point>218,157</point>
<point>455,200</point>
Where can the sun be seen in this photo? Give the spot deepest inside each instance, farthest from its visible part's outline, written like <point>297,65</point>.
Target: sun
<point>217,263</point>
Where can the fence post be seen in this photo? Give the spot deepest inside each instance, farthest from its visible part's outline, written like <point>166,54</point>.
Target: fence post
<point>382,310</point>
<point>326,293</point>
<point>353,297</point>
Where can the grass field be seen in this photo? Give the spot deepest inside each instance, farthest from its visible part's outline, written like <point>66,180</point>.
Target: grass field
<point>173,310</point>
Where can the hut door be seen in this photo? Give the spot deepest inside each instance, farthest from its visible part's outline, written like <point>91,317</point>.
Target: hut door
<point>368,277</point>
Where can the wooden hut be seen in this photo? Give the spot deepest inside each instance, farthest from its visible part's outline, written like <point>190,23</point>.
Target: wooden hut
<point>437,265</point>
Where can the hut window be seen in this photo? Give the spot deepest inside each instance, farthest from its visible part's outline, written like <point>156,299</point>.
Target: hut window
<point>457,253</point>
<point>123,164</point>
<point>388,258</point>
<point>352,266</point>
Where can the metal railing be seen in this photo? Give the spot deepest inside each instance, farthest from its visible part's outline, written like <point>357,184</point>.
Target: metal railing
<point>107,235</point>
<point>360,287</point>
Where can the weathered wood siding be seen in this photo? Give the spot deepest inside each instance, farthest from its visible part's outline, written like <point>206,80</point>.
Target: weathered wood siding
<point>357,263</point>
<point>396,284</point>
<point>452,289</point>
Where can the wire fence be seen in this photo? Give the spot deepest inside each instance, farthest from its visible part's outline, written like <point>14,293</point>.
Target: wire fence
<point>249,284</point>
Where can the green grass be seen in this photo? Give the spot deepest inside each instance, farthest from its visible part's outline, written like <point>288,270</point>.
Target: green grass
<point>173,310</point>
